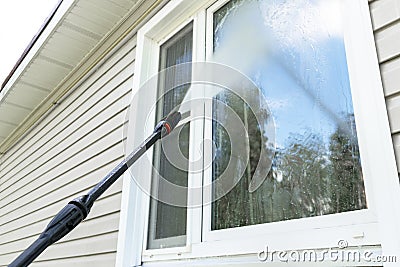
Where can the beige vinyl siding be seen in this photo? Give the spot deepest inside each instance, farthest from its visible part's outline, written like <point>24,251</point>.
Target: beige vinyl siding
<point>385,16</point>
<point>64,156</point>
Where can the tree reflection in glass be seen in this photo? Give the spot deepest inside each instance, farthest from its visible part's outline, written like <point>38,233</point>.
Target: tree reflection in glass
<point>316,169</point>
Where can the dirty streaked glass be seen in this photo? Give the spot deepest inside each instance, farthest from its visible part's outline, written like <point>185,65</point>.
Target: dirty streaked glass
<point>167,223</point>
<point>294,51</point>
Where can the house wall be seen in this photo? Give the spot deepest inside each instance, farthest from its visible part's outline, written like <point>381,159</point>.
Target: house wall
<point>64,156</point>
<point>385,16</point>
<point>81,140</point>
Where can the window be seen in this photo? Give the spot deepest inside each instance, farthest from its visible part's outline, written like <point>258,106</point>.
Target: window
<point>316,169</point>
<point>168,222</point>
<point>318,174</point>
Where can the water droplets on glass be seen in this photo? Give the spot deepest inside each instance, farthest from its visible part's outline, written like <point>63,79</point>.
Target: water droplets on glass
<point>294,51</point>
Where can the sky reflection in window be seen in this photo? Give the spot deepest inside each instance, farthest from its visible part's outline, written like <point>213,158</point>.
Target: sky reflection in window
<point>294,51</point>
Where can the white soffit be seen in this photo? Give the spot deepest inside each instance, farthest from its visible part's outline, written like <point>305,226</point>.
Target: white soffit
<point>71,35</point>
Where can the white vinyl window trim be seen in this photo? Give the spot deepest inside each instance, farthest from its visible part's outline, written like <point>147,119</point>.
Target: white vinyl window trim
<point>375,225</point>
<point>135,203</point>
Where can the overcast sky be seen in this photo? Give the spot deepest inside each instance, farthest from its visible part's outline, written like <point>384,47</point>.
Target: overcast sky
<point>20,20</point>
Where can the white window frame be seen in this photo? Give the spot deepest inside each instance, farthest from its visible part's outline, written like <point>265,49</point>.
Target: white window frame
<point>373,226</point>
<point>335,222</point>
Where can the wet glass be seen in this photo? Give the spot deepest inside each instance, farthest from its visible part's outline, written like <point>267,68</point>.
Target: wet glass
<point>294,51</point>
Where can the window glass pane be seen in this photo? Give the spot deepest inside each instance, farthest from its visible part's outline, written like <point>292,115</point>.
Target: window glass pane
<point>294,51</point>
<point>167,226</point>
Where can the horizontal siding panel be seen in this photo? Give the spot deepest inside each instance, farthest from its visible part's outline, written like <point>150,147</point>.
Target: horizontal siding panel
<point>30,174</point>
<point>28,153</point>
<point>19,174</point>
<point>385,16</point>
<point>80,163</point>
<point>108,116</point>
<point>70,152</point>
<point>393,106</point>
<point>53,192</point>
<point>97,260</point>
<point>88,246</point>
<point>50,211</point>
<point>93,85</point>
<point>105,206</point>
<point>9,235</point>
<point>35,208</point>
<point>105,224</point>
<point>388,42</point>
<point>384,12</point>
<point>101,225</point>
<point>38,226</point>
<point>102,207</point>
<point>73,113</point>
<point>391,76</point>
<point>24,200</point>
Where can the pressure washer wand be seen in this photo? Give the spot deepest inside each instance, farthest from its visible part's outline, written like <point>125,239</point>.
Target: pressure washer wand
<point>78,209</point>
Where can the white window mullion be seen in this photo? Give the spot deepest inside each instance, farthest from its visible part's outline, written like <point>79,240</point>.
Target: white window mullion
<point>196,150</point>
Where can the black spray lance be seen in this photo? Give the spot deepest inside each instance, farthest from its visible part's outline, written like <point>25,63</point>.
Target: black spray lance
<point>78,209</point>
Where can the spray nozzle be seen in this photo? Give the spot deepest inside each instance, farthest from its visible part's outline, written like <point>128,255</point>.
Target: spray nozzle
<point>168,123</point>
